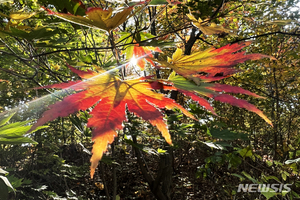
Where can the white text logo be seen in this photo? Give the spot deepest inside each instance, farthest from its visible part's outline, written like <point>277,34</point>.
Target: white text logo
<point>264,187</point>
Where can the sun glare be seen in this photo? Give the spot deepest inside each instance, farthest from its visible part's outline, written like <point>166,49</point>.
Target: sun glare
<point>133,61</point>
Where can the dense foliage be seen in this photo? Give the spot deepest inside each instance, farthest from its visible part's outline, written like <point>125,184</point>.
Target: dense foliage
<point>150,105</point>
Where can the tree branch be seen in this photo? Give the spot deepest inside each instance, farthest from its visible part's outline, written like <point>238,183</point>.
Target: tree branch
<point>265,34</point>
<point>14,73</point>
<point>100,48</point>
<point>218,9</point>
<point>67,50</point>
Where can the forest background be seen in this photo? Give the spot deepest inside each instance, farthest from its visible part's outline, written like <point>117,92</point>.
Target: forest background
<point>46,42</point>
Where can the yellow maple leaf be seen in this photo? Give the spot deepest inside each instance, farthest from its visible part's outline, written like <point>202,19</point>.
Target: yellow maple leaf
<point>96,18</point>
<point>21,15</point>
<point>210,29</point>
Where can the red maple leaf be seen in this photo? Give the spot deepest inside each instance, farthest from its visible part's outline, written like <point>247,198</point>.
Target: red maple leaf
<point>211,61</point>
<point>110,95</point>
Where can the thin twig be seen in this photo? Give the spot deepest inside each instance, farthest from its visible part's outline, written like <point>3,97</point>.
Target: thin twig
<point>265,34</point>
<point>67,50</point>
<point>216,12</point>
<point>110,47</point>
<point>14,73</point>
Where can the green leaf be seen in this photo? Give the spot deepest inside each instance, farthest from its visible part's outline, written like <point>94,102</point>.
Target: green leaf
<point>145,35</point>
<point>3,189</point>
<point>214,145</point>
<point>107,160</point>
<point>295,194</point>
<point>39,128</point>
<point>161,151</point>
<point>17,182</point>
<point>34,34</point>
<point>249,177</point>
<point>246,152</point>
<point>284,192</point>
<point>6,1</point>
<point>270,193</point>
<point>14,125</point>
<point>110,63</point>
<point>239,176</point>
<point>7,184</point>
<point>129,51</point>
<point>284,175</point>
<point>137,37</point>
<point>76,121</point>
<point>75,8</point>
<point>218,145</point>
<point>157,2</point>
<point>124,35</point>
<point>272,177</point>
<point>86,58</point>
<point>14,132</point>
<point>18,140</point>
<point>234,160</point>
<point>182,83</point>
<point>227,135</point>
<point>5,120</point>
<point>130,142</point>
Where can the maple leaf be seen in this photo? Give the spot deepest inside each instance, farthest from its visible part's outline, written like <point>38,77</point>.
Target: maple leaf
<point>210,61</point>
<point>21,15</point>
<point>212,90</point>
<point>111,96</point>
<point>142,54</point>
<point>211,29</point>
<point>96,18</point>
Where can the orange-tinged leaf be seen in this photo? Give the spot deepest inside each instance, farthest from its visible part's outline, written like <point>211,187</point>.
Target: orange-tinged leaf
<point>110,95</point>
<point>211,61</point>
<point>141,53</point>
<point>100,15</point>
